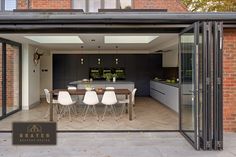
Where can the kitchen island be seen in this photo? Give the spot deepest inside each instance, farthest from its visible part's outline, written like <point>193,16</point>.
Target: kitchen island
<point>166,93</point>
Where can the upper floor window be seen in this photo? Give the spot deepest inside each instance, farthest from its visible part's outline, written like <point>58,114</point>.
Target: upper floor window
<point>95,5</point>
<point>110,4</point>
<point>8,5</point>
<point>125,4</point>
<point>79,4</point>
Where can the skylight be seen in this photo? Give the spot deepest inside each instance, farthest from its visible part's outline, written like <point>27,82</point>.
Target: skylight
<point>55,39</point>
<point>129,39</point>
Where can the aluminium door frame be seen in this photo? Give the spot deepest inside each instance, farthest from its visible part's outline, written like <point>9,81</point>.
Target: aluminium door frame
<point>218,86</point>
<point>194,143</point>
<point>4,78</point>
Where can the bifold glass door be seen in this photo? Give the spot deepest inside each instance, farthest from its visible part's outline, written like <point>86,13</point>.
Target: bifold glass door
<point>189,108</point>
<point>200,93</point>
<point>10,75</point>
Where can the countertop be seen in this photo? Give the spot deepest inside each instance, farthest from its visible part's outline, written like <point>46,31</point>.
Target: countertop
<point>170,84</point>
<point>101,82</point>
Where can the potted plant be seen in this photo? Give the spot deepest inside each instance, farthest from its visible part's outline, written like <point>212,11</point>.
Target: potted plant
<point>108,76</point>
<point>114,77</point>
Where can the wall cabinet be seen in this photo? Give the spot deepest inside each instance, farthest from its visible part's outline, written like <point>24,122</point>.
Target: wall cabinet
<point>166,94</point>
<point>170,59</point>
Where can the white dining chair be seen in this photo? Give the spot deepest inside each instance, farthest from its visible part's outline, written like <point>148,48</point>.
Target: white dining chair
<point>109,100</point>
<point>54,102</point>
<point>74,98</point>
<point>67,103</point>
<point>90,100</point>
<point>126,101</point>
<point>110,88</point>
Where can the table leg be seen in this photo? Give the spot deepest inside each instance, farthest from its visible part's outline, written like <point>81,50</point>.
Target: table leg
<point>126,105</point>
<point>51,107</point>
<point>130,107</point>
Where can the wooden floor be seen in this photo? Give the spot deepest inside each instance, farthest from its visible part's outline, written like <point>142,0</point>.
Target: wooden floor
<point>150,115</point>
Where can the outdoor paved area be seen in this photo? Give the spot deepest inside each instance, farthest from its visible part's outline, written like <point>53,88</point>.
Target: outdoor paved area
<point>116,145</point>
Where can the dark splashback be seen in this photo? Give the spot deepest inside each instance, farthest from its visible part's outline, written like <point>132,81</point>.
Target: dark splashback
<point>139,68</point>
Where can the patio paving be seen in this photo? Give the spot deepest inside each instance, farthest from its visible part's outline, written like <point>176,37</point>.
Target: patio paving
<point>161,144</point>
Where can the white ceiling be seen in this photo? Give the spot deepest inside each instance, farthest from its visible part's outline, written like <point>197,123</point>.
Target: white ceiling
<point>161,43</point>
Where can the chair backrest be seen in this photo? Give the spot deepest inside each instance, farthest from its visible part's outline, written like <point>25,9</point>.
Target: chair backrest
<point>91,98</point>
<point>110,88</point>
<point>133,95</point>
<point>47,94</point>
<point>71,88</point>
<point>109,98</point>
<point>64,98</point>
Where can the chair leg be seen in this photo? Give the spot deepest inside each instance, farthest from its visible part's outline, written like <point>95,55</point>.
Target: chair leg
<point>86,112</point>
<point>123,108</point>
<point>104,112</point>
<point>95,111</point>
<point>69,108</point>
<point>46,115</point>
<point>113,110</point>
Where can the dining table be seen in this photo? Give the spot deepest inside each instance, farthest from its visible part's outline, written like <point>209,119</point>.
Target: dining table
<point>81,92</point>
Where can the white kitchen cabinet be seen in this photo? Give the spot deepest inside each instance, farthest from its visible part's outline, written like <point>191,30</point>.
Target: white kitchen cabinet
<point>166,94</point>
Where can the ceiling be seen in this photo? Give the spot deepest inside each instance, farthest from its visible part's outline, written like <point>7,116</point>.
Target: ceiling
<point>96,41</point>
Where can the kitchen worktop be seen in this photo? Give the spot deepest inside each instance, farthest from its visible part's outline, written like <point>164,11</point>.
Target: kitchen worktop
<point>101,82</point>
<point>167,83</point>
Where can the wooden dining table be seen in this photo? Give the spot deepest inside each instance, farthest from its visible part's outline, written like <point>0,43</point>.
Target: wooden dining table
<point>126,92</point>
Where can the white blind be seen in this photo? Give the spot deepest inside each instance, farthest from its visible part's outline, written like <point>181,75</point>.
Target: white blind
<point>79,4</point>
<point>10,4</point>
<point>110,4</point>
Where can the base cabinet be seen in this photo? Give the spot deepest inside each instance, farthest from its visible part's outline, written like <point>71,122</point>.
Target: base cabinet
<point>166,94</point>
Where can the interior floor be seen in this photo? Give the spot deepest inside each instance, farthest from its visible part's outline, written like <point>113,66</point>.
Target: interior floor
<point>150,115</point>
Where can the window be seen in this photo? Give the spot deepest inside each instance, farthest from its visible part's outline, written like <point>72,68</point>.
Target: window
<point>79,4</point>
<point>125,4</point>
<point>10,5</point>
<point>110,4</point>
<point>94,5</point>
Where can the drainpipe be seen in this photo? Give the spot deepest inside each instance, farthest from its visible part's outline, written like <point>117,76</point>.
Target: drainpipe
<point>28,4</point>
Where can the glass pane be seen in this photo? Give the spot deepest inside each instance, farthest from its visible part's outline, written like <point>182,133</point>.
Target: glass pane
<point>110,4</point>
<point>200,80</point>
<point>0,79</point>
<point>125,4</point>
<point>94,5</point>
<point>187,83</point>
<point>10,4</point>
<point>12,78</point>
<point>79,4</point>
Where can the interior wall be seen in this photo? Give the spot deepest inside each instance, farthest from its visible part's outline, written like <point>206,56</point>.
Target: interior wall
<point>30,78</point>
<point>45,72</point>
<point>139,68</point>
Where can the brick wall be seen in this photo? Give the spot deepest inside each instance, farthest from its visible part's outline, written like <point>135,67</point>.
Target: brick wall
<point>44,4</point>
<point>170,5</point>
<point>12,83</point>
<point>229,75</point>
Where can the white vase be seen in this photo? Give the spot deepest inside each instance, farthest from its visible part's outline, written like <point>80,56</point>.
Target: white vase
<point>114,79</point>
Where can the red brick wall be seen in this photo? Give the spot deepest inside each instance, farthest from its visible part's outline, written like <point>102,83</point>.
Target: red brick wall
<point>229,83</point>
<point>170,5</point>
<point>12,70</point>
<point>44,4</point>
